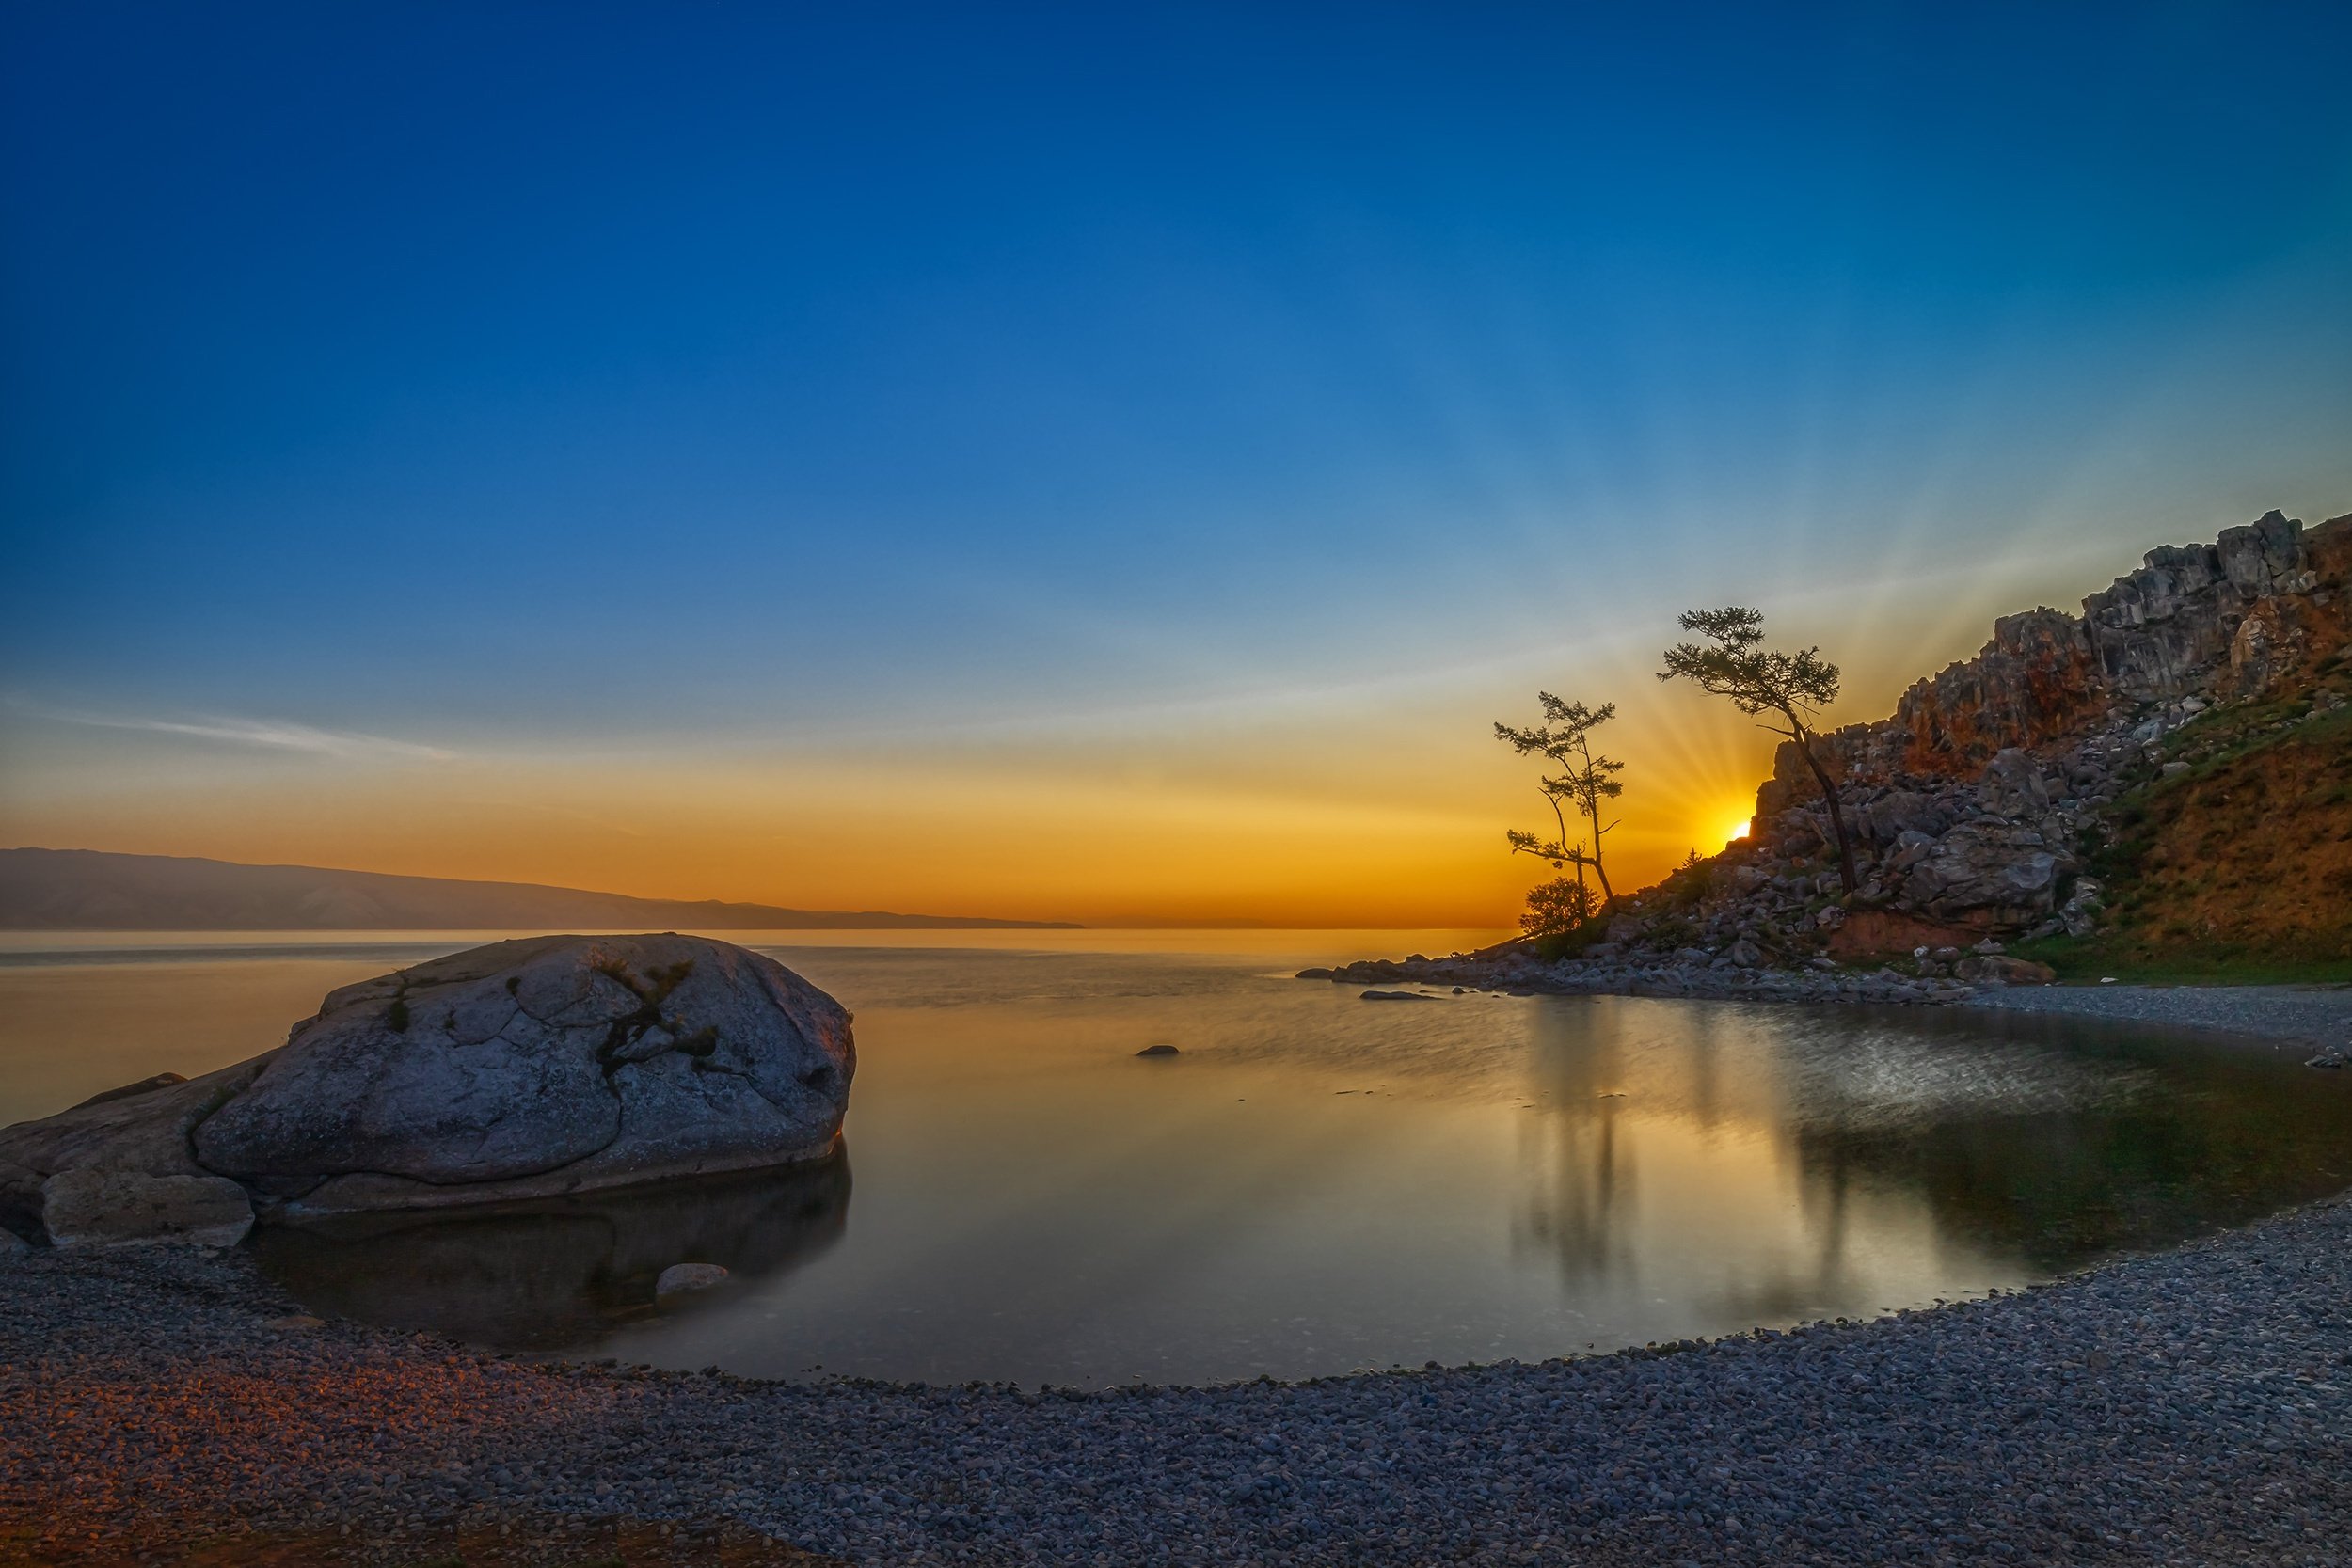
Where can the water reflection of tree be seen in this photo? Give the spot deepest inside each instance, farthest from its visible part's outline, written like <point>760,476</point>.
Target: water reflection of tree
<point>2223,1140</point>
<point>1582,1184</point>
<point>2202,1138</point>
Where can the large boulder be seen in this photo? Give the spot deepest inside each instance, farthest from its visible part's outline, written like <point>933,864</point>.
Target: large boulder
<point>552,1064</point>
<point>1986,876</point>
<point>1902,811</point>
<point>521,1069</point>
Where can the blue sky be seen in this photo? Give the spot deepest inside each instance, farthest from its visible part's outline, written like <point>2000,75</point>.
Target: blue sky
<point>787,388</point>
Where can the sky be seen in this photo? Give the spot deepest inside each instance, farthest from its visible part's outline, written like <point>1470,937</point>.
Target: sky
<point>1097,463</point>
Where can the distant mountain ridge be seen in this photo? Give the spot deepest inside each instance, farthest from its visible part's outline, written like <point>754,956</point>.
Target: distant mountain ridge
<point>95,890</point>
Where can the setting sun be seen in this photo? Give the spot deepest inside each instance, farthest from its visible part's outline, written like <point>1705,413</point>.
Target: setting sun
<point>1739,830</point>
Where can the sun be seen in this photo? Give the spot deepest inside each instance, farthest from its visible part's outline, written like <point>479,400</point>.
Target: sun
<point>1738,830</point>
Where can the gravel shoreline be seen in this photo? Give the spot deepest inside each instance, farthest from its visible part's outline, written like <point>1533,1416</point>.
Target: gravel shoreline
<point>2285,1015</point>
<point>2194,1407</point>
<point>2271,1016</point>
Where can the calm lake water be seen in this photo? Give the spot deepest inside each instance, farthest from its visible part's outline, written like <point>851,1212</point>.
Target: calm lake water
<point>1315,1184</point>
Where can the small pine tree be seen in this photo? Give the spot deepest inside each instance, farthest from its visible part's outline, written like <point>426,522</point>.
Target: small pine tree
<point>1564,738</point>
<point>1557,909</point>
<point>1791,687</point>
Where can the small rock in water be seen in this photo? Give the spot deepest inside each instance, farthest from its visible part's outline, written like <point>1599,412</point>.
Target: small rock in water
<point>1157,1051</point>
<point>682,1279</point>
<point>2329,1058</point>
<point>1316,975</point>
<point>1395,996</point>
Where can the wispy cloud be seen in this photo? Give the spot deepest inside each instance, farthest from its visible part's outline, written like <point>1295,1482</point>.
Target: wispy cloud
<point>267,734</point>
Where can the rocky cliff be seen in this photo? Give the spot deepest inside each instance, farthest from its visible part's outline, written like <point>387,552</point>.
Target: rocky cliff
<point>1983,805</point>
<point>2164,780</point>
<point>2254,612</point>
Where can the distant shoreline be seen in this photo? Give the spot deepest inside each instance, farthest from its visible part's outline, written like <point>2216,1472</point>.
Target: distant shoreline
<point>96,890</point>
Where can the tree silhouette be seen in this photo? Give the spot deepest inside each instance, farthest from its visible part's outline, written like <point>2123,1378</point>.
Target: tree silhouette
<point>1760,680</point>
<point>1584,780</point>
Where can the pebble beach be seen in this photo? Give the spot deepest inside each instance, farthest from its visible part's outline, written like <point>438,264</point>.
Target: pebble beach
<point>2194,1407</point>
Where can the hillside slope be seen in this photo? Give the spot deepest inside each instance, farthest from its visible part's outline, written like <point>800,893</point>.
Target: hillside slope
<point>91,890</point>
<point>2242,864</point>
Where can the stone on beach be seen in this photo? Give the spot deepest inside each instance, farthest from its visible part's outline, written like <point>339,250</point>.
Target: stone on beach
<point>686,1280</point>
<point>96,1206</point>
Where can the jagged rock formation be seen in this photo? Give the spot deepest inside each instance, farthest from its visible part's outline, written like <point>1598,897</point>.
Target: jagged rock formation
<point>2238,618</point>
<point>1975,797</point>
<point>525,1068</point>
<point>1976,809</point>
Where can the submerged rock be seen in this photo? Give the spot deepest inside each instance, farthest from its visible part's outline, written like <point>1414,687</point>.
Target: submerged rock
<point>686,1280</point>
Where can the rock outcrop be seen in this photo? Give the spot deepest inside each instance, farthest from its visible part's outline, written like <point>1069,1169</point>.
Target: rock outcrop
<point>1978,808</point>
<point>2240,617</point>
<point>525,1068</point>
<point>1974,800</point>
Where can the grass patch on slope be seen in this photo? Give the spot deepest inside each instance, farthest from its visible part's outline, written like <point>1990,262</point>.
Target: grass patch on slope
<point>2236,871</point>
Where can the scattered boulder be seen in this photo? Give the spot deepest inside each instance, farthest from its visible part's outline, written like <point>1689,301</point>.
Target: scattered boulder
<point>1157,1051</point>
<point>2013,784</point>
<point>2329,1058</point>
<point>1999,969</point>
<point>1394,996</point>
<point>1901,812</point>
<point>1986,875</point>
